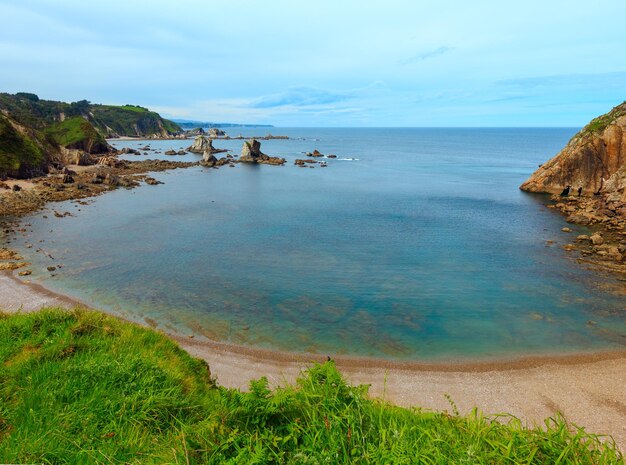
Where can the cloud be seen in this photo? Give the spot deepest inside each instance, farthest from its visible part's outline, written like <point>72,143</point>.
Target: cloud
<point>300,97</point>
<point>426,55</point>
<point>612,79</point>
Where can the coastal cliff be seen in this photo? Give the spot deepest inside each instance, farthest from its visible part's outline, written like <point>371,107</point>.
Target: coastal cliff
<point>108,120</point>
<point>23,152</point>
<point>37,135</point>
<point>594,159</point>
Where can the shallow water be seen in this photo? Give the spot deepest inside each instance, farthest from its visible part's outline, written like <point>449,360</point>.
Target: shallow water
<point>421,247</point>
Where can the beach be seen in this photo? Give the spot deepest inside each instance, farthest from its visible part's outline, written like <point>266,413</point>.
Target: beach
<point>587,389</point>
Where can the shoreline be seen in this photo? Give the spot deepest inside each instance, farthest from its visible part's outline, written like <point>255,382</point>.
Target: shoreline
<point>589,389</point>
<point>473,365</point>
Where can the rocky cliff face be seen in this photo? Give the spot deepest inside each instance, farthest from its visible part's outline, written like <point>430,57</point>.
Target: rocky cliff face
<point>594,159</point>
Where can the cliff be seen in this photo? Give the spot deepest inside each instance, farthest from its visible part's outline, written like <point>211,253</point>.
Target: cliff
<point>130,120</point>
<point>593,159</point>
<point>24,152</point>
<point>36,133</point>
<point>108,120</point>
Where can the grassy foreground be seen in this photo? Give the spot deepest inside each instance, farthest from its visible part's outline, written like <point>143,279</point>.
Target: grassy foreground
<point>82,387</point>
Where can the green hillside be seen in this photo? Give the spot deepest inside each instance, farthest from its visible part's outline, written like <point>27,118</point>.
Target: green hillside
<point>128,120</point>
<point>32,130</point>
<point>21,154</point>
<point>77,133</point>
<point>81,387</point>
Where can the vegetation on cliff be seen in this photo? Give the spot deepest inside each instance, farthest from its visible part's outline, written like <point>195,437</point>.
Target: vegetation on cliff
<point>82,387</point>
<point>77,133</point>
<point>589,160</point>
<point>35,132</point>
<point>22,153</point>
<point>600,123</point>
<point>128,120</point>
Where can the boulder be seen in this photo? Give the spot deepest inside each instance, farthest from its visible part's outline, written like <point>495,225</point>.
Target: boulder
<point>76,157</point>
<point>112,180</point>
<point>170,152</point>
<point>596,239</point>
<point>208,159</point>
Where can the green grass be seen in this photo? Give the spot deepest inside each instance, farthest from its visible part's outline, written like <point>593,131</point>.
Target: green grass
<point>135,108</point>
<point>77,133</point>
<point>82,387</point>
<point>130,120</point>
<point>600,123</point>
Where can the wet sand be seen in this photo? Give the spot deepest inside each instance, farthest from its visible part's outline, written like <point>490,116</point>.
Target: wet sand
<point>588,389</point>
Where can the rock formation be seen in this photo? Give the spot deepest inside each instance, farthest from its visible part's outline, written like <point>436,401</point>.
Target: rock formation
<point>201,144</point>
<point>594,159</point>
<point>251,153</point>
<point>215,132</point>
<point>208,159</point>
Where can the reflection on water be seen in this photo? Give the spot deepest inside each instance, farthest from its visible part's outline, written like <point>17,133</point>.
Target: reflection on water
<point>424,248</point>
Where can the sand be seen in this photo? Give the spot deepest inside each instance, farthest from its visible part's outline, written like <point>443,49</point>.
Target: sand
<point>588,389</point>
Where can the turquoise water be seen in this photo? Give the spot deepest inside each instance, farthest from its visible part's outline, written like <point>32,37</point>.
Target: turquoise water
<point>414,244</point>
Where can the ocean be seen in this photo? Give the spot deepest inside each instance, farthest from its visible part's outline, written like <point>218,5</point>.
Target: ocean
<point>413,244</point>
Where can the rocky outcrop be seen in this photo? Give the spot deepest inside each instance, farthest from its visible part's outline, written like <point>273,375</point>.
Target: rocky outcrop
<point>215,132</point>
<point>77,157</point>
<point>195,132</point>
<point>203,144</point>
<point>208,159</point>
<point>594,159</point>
<point>251,153</point>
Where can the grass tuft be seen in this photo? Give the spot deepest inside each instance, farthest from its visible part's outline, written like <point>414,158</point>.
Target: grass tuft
<point>83,387</point>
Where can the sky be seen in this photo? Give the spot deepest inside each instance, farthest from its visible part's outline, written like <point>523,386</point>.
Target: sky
<point>325,63</point>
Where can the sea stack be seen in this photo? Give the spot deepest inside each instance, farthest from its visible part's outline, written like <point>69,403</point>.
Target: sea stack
<point>251,153</point>
<point>201,144</point>
<point>594,159</point>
